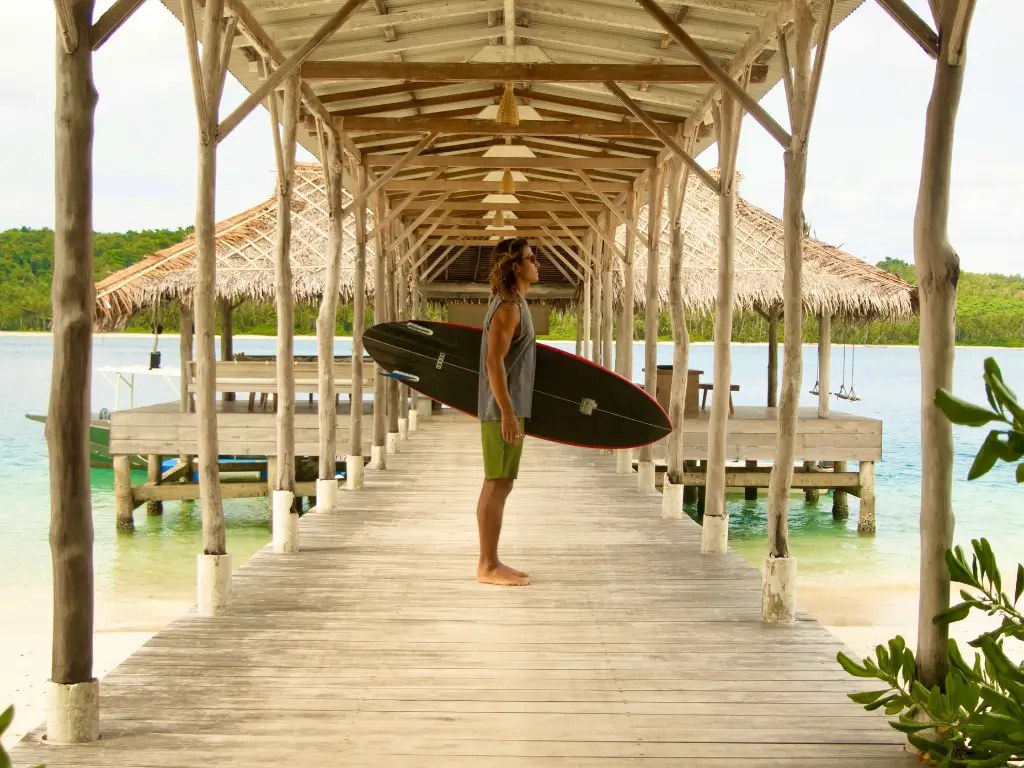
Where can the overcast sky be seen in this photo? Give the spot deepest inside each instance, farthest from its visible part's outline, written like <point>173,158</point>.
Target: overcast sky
<point>864,161</point>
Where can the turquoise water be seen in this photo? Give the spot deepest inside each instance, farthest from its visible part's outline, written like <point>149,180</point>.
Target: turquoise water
<point>158,560</point>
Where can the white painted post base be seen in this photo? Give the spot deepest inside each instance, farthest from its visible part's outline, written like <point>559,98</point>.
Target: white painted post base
<point>353,473</point>
<point>424,407</point>
<point>378,457</point>
<point>623,462</point>
<point>671,501</point>
<point>327,495</point>
<point>392,443</point>
<point>403,429</point>
<point>73,713</point>
<point>778,590</point>
<point>414,420</point>
<point>213,588</point>
<point>714,535</point>
<point>645,477</point>
<point>286,524</point>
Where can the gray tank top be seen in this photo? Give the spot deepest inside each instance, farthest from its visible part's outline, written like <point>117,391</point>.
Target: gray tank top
<point>520,366</point>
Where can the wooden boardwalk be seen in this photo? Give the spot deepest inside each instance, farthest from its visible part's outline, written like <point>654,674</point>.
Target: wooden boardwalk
<point>376,647</point>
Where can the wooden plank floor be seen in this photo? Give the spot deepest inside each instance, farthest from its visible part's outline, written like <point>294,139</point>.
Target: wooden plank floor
<point>375,646</point>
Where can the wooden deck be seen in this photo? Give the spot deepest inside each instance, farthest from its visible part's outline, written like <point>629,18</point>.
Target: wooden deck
<point>374,646</point>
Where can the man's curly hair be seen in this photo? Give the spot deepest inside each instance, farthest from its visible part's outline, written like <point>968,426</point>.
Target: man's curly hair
<point>506,254</point>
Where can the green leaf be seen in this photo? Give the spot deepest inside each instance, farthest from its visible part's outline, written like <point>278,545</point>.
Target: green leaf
<point>6,718</point>
<point>867,697</point>
<point>1005,395</point>
<point>952,615</point>
<point>884,702</point>
<point>1020,566</point>
<point>1020,473</point>
<point>853,667</point>
<point>986,458</point>
<point>895,707</point>
<point>961,412</point>
<point>959,572</point>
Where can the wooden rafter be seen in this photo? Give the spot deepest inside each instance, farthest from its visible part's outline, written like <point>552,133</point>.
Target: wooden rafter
<point>463,161</point>
<point>111,20</point>
<point>567,127</point>
<point>383,179</point>
<point>913,25</point>
<point>499,72</point>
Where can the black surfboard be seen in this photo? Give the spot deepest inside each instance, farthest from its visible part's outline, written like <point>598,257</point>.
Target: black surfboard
<point>575,402</point>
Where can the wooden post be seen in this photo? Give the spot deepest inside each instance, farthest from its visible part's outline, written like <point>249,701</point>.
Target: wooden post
<point>391,292</point>
<point>403,314</point>
<point>284,288</point>
<point>207,81</point>
<point>624,321</point>
<point>672,489</point>
<point>123,493</point>
<point>596,259</point>
<point>715,531</point>
<point>824,360</point>
<point>587,298</point>
<point>185,362</point>
<point>840,504</point>
<point>579,327</point>
<point>354,461</point>
<point>779,571</point>
<point>153,472</point>
<point>380,300</point>
<point>938,270</point>
<point>607,304</point>
<point>412,407</point>
<point>227,341</point>
<point>326,322</point>
<point>750,492</point>
<point>866,519</point>
<point>655,189</point>
<point>773,357</point>
<point>811,495</point>
<point>74,709</point>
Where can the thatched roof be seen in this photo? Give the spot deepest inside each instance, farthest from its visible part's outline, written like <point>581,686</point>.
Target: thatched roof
<point>833,281</point>
<point>245,258</point>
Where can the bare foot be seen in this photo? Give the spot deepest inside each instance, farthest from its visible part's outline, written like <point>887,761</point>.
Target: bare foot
<point>502,576</point>
<point>516,571</point>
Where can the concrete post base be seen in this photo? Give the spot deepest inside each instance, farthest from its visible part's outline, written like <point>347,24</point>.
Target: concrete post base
<point>286,524</point>
<point>378,457</point>
<point>414,420</point>
<point>154,508</point>
<point>714,535</point>
<point>73,713</point>
<point>327,495</point>
<point>672,501</point>
<point>403,429</point>
<point>392,442</point>
<point>424,407</point>
<point>213,596</point>
<point>623,462</point>
<point>778,590</point>
<point>353,473</point>
<point>645,477</point>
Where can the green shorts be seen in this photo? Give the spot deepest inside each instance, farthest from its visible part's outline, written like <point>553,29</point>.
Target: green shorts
<point>501,459</point>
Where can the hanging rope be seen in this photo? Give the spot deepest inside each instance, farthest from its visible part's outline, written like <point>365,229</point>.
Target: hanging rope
<point>817,372</point>
<point>841,394</point>
<point>154,356</point>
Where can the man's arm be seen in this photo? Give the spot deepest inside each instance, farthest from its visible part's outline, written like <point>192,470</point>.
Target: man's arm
<point>499,339</point>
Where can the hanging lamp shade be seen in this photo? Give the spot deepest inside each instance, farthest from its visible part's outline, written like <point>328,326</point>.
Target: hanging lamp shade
<point>508,184</point>
<point>508,110</point>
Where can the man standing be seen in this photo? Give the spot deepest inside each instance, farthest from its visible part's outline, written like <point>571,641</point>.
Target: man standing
<point>508,354</point>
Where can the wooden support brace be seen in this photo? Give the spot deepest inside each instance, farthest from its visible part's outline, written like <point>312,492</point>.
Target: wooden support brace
<point>722,77</point>
<point>66,23</point>
<point>111,20</point>
<point>598,229</point>
<point>913,25</point>
<point>604,199</point>
<point>383,179</point>
<point>400,238</point>
<point>416,189</point>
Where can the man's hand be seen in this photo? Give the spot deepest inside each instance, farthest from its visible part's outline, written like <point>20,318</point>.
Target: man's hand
<point>510,428</point>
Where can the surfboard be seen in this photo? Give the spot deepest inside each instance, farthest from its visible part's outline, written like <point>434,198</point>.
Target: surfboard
<point>575,402</point>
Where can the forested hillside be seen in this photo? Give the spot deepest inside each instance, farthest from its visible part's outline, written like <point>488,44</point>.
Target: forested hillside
<point>990,308</point>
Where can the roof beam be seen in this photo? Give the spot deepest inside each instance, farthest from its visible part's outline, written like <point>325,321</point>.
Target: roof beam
<point>111,20</point>
<point>667,140</point>
<point>913,25</point>
<point>415,187</point>
<point>548,250</point>
<point>464,161</point>
<point>501,72</point>
<point>514,207</point>
<point>419,220</point>
<point>282,71</point>
<point>383,179</point>
<point>494,186</point>
<point>450,125</point>
<point>617,213</point>
<point>598,229</point>
<point>483,290</point>
<point>723,78</point>
<point>252,29</point>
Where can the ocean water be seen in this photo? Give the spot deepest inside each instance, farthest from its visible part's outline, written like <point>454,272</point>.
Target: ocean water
<point>157,561</point>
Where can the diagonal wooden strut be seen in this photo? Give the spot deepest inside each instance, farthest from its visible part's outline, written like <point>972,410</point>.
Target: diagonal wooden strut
<point>913,25</point>
<point>383,179</point>
<point>327,29</point>
<point>111,20</point>
<point>720,75</point>
<point>593,225</point>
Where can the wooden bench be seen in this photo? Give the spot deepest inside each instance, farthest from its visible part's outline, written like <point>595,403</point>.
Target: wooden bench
<point>259,377</point>
<point>705,388</point>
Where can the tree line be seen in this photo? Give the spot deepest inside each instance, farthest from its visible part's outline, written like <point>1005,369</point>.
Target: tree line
<point>990,307</point>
